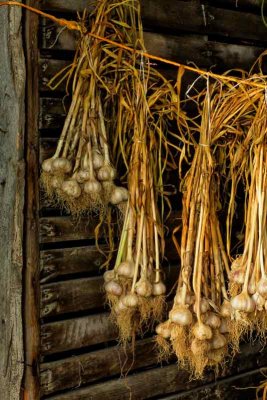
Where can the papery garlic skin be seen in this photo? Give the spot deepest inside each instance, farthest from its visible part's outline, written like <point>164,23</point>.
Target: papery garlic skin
<point>181,315</point>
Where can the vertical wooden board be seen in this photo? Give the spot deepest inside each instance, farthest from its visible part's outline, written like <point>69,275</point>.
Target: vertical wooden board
<point>12,185</point>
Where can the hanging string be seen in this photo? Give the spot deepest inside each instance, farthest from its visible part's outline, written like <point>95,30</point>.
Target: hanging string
<point>73,25</point>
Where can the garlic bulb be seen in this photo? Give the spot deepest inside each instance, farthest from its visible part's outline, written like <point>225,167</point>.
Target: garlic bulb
<point>204,306</point>
<point>119,307</point>
<point>243,302</point>
<point>106,173</point>
<point>130,300</point>
<point>199,347</point>
<point>47,165</point>
<point>126,269</point>
<point>252,286</point>
<point>57,181</point>
<point>189,299</point>
<point>92,187</point>
<point>143,288</point>
<point>262,287</point>
<point>202,331</point>
<point>83,175</point>
<point>259,300</point>
<point>114,288</point>
<point>226,309</point>
<point>118,195</point>
<point>164,329</point>
<point>238,275</point>
<point>98,159</point>
<point>61,165</point>
<point>158,289</point>
<point>212,320</point>
<point>224,327</point>
<point>218,341</point>
<point>109,275</point>
<point>71,188</point>
<point>181,315</point>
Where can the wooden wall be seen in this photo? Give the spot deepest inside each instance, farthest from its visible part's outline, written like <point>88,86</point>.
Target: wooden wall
<point>80,358</point>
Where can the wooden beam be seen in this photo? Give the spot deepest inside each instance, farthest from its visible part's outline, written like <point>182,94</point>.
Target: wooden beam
<point>31,286</point>
<point>86,368</point>
<point>76,333</point>
<point>12,186</point>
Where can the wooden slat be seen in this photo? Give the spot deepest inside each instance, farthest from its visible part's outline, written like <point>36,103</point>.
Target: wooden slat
<point>76,333</point>
<point>189,16</point>
<point>83,294</point>
<point>72,296</point>
<point>48,68</point>
<point>60,229</point>
<point>58,263</point>
<point>84,369</point>
<point>80,370</point>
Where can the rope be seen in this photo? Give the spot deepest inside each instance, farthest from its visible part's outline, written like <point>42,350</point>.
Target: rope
<point>73,25</point>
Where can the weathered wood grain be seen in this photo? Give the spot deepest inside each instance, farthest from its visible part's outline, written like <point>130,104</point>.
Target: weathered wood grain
<point>12,186</point>
<point>76,333</point>
<point>75,371</point>
<point>189,16</point>
<point>180,48</point>
<point>55,264</point>
<point>72,296</point>
<point>60,229</point>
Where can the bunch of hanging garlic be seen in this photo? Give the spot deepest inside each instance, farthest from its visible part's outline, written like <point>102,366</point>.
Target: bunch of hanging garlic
<point>80,175</point>
<point>248,277</point>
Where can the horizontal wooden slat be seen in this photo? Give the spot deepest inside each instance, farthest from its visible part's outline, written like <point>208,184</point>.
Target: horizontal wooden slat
<point>58,263</point>
<point>59,229</point>
<point>76,333</point>
<point>83,294</point>
<point>190,16</point>
<point>80,370</point>
<point>71,296</point>
<point>48,68</point>
<point>86,368</point>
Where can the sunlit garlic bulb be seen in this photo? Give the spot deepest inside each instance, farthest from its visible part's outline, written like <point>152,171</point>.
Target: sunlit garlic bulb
<point>113,288</point>
<point>243,302</point>
<point>126,269</point>
<point>202,331</point>
<point>83,175</point>
<point>262,287</point>
<point>218,341</point>
<point>106,173</point>
<point>198,347</point>
<point>130,300</point>
<point>98,159</point>
<point>238,275</point>
<point>118,195</point>
<point>204,306</point>
<point>143,288</point>
<point>212,320</point>
<point>181,315</point>
<point>109,275</point>
<point>158,289</point>
<point>164,329</point>
<point>189,299</point>
<point>61,165</point>
<point>259,300</point>
<point>71,188</point>
<point>252,286</point>
<point>226,309</point>
<point>47,165</point>
<point>92,187</point>
<point>57,181</point>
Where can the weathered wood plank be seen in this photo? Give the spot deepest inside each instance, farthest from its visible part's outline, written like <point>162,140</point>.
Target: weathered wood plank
<point>81,370</point>
<point>12,186</point>
<point>182,48</point>
<point>72,296</point>
<point>60,229</point>
<point>73,372</point>
<point>55,264</point>
<point>31,279</point>
<point>188,16</point>
<point>76,333</point>
<point>48,68</point>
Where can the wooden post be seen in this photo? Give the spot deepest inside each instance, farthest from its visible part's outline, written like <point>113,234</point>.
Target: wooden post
<point>31,276</point>
<point>12,82</point>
